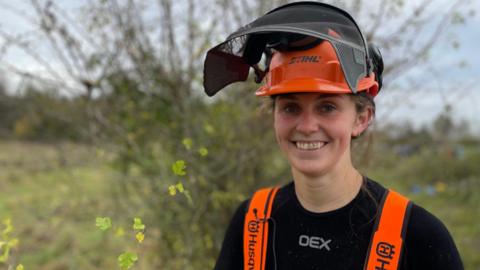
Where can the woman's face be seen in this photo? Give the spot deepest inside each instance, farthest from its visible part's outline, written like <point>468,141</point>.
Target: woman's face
<point>314,130</point>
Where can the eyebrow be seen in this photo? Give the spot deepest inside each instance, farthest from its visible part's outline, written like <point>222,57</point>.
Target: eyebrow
<point>293,96</point>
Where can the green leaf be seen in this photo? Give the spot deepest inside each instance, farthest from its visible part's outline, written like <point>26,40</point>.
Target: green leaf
<point>138,225</point>
<point>203,151</point>
<point>103,223</point>
<point>187,142</point>
<point>127,259</point>
<point>20,267</point>
<point>179,187</point>
<point>179,167</point>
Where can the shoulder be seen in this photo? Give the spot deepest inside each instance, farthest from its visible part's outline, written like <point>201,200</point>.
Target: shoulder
<point>231,253</point>
<point>428,243</point>
<point>282,195</point>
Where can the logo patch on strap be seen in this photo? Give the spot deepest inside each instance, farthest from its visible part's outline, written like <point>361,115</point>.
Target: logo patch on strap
<point>385,252</point>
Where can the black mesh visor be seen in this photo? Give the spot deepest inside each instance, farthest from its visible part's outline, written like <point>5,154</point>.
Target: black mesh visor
<point>230,61</point>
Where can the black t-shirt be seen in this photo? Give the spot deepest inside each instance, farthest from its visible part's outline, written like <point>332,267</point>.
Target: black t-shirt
<point>341,236</point>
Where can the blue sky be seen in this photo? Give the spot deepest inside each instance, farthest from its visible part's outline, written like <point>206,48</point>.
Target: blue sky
<point>441,82</point>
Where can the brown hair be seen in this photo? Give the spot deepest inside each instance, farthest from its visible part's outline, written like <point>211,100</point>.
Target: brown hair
<point>362,101</point>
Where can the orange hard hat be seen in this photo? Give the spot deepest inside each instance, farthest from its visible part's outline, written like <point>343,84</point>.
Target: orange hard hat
<point>312,70</point>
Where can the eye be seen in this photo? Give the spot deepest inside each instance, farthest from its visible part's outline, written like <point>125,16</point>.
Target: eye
<point>290,108</point>
<point>326,107</point>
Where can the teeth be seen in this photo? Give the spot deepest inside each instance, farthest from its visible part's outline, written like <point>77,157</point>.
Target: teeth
<point>309,145</point>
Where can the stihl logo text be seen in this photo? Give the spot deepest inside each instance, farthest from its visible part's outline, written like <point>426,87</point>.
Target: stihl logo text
<point>304,59</point>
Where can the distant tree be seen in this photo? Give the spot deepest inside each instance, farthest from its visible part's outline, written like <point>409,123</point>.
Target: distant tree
<point>443,125</point>
<point>42,115</point>
<point>10,111</point>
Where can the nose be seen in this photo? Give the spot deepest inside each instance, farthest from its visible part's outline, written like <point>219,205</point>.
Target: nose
<point>307,123</point>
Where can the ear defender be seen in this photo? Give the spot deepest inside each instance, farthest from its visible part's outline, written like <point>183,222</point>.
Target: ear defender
<point>377,62</point>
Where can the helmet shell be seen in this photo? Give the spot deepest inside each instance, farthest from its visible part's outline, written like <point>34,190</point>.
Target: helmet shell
<point>313,70</point>
<point>230,61</point>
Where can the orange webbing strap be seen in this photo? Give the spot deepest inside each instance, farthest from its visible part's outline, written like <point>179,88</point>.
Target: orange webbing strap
<point>386,244</point>
<point>255,234</point>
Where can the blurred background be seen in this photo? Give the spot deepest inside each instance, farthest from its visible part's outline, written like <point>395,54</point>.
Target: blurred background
<point>103,119</point>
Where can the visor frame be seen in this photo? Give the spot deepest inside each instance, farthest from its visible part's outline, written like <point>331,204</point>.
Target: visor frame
<point>354,58</point>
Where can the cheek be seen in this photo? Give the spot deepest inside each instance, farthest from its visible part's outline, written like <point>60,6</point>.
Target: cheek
<point>277,125</point>
<point>342,131</point>
<point>281,128</point>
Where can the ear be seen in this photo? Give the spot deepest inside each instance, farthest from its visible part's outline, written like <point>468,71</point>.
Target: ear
<point>362,121</point>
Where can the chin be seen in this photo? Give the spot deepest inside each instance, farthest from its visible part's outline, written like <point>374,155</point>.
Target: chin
<point>310,168</point>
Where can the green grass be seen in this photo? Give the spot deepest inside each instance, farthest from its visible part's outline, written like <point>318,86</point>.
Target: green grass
<point>53,198</point>
<point>54,193</point>
<point>455,202</point>
<point>457,207</point>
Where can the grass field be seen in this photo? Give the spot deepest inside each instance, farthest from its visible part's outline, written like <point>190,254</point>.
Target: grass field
<point>54,193</point>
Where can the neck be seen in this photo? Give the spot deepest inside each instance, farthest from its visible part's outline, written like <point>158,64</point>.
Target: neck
<point>327,192</point>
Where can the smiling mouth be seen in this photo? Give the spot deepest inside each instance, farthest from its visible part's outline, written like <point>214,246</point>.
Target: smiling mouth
<point>309,145</point>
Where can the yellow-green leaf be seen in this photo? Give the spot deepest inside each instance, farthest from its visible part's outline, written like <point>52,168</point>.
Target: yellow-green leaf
<point>20,267</point>
<point>140,236</point>
<point>203,151</point>
<point>187,142</point>
<point>103,223</point>
<point>179,187</point>
<point>179,167</point>
<point>172,190</point>
<point>127,259</point>
<point>138,225</point>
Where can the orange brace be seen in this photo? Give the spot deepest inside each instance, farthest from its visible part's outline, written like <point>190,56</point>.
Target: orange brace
<point>386,244</point>
<point>255,234</point>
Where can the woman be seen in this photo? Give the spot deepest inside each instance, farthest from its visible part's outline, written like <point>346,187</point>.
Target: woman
<point>322,78</point>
